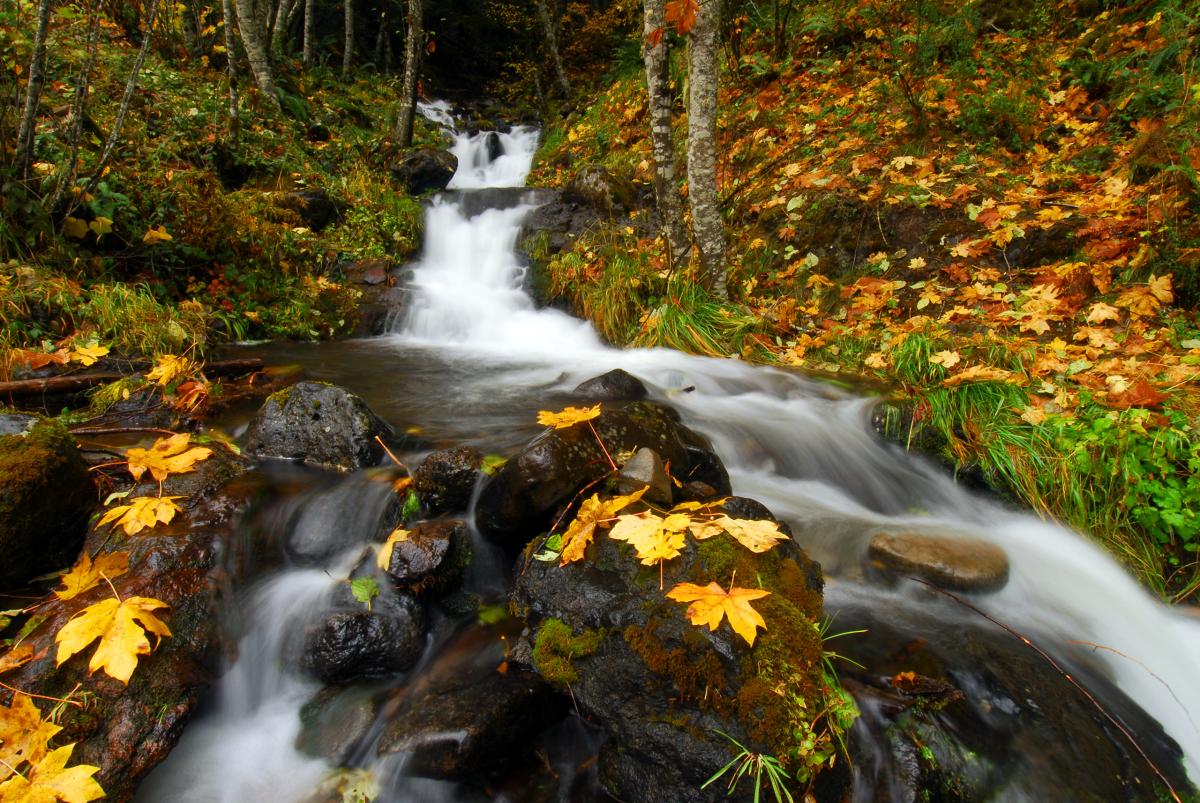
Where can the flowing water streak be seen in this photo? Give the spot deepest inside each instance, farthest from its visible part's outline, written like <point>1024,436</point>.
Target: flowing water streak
<point>802,448</point>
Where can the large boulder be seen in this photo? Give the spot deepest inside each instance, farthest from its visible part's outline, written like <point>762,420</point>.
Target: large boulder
<point>523,496</point>
<point>602,190</point>
<point>126,730</point>
<point>320,424</point>
<point>663,689</point>
<point>615,385</point>
<point>314,207</point>
<point>422,170</point>
<point>46,495</point>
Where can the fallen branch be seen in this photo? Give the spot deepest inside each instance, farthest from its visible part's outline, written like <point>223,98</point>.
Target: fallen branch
<point>75,383</point>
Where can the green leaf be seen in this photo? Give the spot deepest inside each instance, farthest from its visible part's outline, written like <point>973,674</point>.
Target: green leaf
<point>551,549</point>
<point>412,506</point>
<point>364,589</point>
<point>492,463</point>
<point>491,614</point>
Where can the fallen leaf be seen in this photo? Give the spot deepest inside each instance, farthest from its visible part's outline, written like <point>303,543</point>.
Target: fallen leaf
<point>652,537</point>
<point>946,359</point>
<point>167,456</point>
<point>592,512</point>
<point>18,656</point>
<point>710,604</point>
<point>88,354</point>
<point>86,575</point>
<point>121,627</point>
<point>757,535</point>
<point>978,373</point>
<point>24,735</point>
<point>168,367</point>
<point>142,512</point>
<point>51,779</point>
<point>568,416</point>
<point>1101,312</point>
<point>156,235</point>
<point>384,557</point>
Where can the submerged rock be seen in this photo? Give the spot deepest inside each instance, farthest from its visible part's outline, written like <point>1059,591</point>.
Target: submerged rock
<point>361,644</point>
<point>46,495</point>
<point>320,424</point>
<point>956,564</point>
<point>616,385</point>
<point>446,479</point>
<point>334,723</point>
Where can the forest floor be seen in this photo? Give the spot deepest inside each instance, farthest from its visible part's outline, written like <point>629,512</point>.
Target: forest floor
<point>995,216</point>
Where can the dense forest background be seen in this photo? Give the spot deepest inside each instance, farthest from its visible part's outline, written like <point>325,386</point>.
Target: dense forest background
<point>985,210</point>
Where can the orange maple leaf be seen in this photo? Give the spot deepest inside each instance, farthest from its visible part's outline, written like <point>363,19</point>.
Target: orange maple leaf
<point>711,603</point>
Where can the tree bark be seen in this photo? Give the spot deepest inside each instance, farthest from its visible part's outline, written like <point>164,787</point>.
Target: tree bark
<point>348,47</point>
<point>655,57</point>
<point>279,31</point>
<point>560,77</point>
<point>79,109</point>
<point>379,37</point>
<point>253,31</point>
<point>414,43</point>
<point>310,34</point>
<point>707,223</point>
<point>126,98</point>
<point>231,71</point>
<point>27,130</point>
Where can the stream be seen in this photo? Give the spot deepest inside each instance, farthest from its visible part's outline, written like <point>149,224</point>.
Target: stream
<point>470,361</point>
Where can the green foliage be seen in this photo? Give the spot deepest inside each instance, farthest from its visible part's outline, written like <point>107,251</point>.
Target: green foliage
<point>759,768</point>
<point>364,589</point>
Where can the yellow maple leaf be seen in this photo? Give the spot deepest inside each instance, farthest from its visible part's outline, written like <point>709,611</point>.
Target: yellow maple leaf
<point>167,368</point>
<point>18,656</point>
<point>652,537</point>
<point>592,512</point>
<point>142,512</point>
<point>74,227</point>
<point>24,735</point>
<point>167,456</point>
<point>121,626</point>
<point>568,416</point>
<point>384,557</point>
<point>946,359</point>
<point>51,779</point>
<point>755,534</point>
<point>86,575</point>
<point>156,235</point>
<point>978,373</point>
<point>87,355</point>
<point>1101,312</point>
<point>710,604</point>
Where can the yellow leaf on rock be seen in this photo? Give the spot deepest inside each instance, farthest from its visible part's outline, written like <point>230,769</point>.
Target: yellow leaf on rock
<point>87,575</point>
<point>24,736</point>
<point>167,456</point>
<point>568,416</point>
<point>384,558</point>
<point>592,512</point>
<point>757,535</point>
<point>18,656</point>
<point>87,355</point>
<point>121,626</point>
<point>710,604</point>
<point>652,537</point>
<point>51,779</point>
<point>143,512</point>
<point>167,368</point>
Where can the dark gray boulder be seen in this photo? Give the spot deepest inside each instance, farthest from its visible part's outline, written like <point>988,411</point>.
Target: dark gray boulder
<point>432,556</point>
<point>313,206</point>
<point>446,479</point>
<point>319,424</point>
<point>422,170</point>
<point>334,723</point>
<point>615,385</point>
<point>350,645</point>
<point>46,495</point>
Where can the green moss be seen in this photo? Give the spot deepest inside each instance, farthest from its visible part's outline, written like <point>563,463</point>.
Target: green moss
<point>694,668</point>
<point>557,645</point>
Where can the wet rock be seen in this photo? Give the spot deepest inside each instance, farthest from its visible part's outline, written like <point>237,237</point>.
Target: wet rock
<point>616,385</point>
<point>314,207</point>
<point>648,678</point>
<point>957,564</point>
<point>645,470</point>
<point>334,723</point>
<point>127,730</point>
<point>522,497</point>
<point>705,467</point>
<point>494,147</point>
<point>320,424</point>
<point>446,479</point>
<point>432,557</point>
<point>317,133</point>
<point>46,495</point>
<point>462,717</point>
<point>423,170</point>
<point>602,190</point>
<point>554,225</point>
<point>353,645</point>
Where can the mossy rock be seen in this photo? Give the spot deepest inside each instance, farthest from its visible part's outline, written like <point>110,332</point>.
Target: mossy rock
<point>46,494</point>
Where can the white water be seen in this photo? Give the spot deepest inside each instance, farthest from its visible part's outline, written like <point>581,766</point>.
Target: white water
<point>801,447</point>
<point>807,453</point>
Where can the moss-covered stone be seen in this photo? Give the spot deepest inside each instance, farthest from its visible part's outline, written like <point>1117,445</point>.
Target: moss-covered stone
<point>557,645</point>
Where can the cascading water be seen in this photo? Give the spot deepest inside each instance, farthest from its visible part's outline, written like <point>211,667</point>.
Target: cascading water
<point>473,340</point>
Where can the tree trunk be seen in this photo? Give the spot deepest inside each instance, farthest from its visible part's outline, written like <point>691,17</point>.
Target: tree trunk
<point>707,224</point>
<point>250,25</point>
<point>27,131</point>
<point>666,189</point>
<point>279,31</point>
<point>231,71</point>
<point>310,34</point>
<point>414,42</point>
<point>560,77</point>
<point>348,47</point>
<point>379,37</point>
<point>126,98</point>
<point>79,109</point>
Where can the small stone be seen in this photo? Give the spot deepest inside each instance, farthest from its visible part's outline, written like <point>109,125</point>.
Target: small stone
<point>644,469</point>
<point>957,564</point>
<point>431,550</point>
<point>356,645</point>
<point>446,479</point>
<point>616,385</point>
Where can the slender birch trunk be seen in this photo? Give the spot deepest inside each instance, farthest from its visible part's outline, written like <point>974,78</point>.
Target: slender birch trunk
<point>27,130</point>
<point>348,47</point>
<point>310,33</point>
<point>231,71</point>
<point>707,223</point>
<point>414,43</point>
<point>78,110</point>
<point>560,77</point>
<point>656,58</point>
<point>379,37</point>
<point>253,31</point>
<point>283,15</point>
<point>126,99</point>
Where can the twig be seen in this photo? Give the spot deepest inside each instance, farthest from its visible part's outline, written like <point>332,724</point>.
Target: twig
<point>59,700</point>
<point>1066,675</point>
<point>603,448</point>
<point>388,451</point>
<point>118,430</point>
